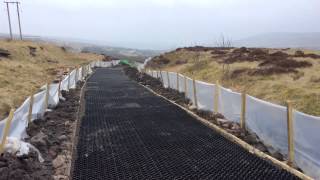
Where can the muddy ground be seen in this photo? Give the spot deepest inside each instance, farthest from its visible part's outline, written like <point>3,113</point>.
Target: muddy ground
<point>217,119</point>
<point>53,136</point>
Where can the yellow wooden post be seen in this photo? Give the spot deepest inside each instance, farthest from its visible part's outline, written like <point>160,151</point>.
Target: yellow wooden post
<point>6,130</point>
<point>243,110</point>
<point>290,133</point>
<point>47,96</point>
<point>185,85</point>
<point>168,79</point>
<point>59,89</point>
<point>30,108</point>
<point>195,93</point>
<point>216,97</point>
<point>69,75</point>
<point>177,82</point>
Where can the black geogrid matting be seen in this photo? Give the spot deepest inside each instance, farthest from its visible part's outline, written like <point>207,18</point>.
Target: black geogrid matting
<point>129,133</point>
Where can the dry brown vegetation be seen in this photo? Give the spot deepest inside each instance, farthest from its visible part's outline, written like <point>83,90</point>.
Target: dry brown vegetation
<point>29,66</point>
<point>275,75</point>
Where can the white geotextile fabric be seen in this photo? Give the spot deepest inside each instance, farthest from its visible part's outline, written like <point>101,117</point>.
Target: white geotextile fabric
<point>267,120</point>
<point>205,95</point>
<point>53,95</point>
<point>307,143</point>
<point>64,84</point>
<point>38,108</point>
<point>19,122</point>
<point>164,78</point>
<point>182,83</point>
<point>73,79</point>
<point>173,80</point>
<point>230,104</point>
<point>189,93</point>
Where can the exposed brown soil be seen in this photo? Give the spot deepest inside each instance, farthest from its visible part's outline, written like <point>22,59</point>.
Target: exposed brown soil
<point>218,119</point>
<point>53,136</point>
<point>270,63</point>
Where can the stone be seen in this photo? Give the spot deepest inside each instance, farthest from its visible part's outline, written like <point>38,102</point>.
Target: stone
<point>235,126</point>
<point>62,137</point>
<point>192,107</point>
<point>251,139</point>
<point>59,161</point>
<point>221,121</point>
<point>261,147</point>
<point>60,177</point>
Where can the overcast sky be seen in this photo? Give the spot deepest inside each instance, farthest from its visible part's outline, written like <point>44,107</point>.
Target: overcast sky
<point>161,24</point>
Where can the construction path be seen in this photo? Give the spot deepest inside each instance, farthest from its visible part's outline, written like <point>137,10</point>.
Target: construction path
<point>129,133</point>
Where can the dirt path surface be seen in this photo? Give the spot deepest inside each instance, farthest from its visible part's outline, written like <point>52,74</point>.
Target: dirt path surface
<point>129,133</point>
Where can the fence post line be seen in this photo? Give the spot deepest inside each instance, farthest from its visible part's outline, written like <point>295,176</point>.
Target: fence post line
<point>168,79</point>
<point>6,130</point>
<point>290,133</point>
<point>195,93</point>
<point>47,96</point>
<point>178,82</point>
<point>30,108</point>
<point>243,110</point>
<point>216,97</point>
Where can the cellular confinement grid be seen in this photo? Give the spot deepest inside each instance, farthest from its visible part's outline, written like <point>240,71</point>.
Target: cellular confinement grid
<point>129,133</point>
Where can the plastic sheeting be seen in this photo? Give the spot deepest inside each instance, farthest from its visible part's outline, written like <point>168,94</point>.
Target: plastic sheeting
<point>267,120</point>
<point>205,95</point>
<point>173,80</point>
<point>230,104</point>
<point>189,93</point>
<point>307,143</point>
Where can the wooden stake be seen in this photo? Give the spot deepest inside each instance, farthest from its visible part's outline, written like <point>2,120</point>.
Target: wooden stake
<point>243,110</point>
<point>47,96</point>
<point>290,133</point>
<point>216,97</point>
<point>59,89</point>
<point>177,82</point>
<point>195,93</point>
<point>6,130</point>
<point>69,75</point>
<point>168,79</point>
<point>185,86</point>
<point>30,108</point>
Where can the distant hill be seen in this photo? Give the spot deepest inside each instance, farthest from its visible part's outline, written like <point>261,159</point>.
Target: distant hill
<point>122,53</point>
<point>282,40</point>
<point>78,45</point>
